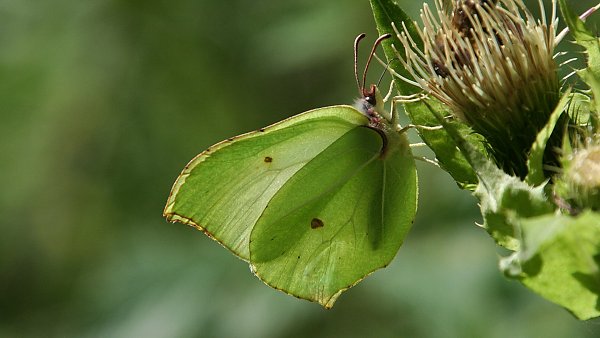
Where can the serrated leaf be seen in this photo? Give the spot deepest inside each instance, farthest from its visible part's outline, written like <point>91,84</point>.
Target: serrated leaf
<point>503,198</point>
<point>559,259</point>
<point>579,109</point>
<point>586,39</point>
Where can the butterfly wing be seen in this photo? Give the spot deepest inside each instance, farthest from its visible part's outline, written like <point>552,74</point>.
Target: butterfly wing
<point>340,217</point>
<point>224,190</point>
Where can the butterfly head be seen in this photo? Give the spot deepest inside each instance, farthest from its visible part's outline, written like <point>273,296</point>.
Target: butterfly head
<point>371,102</point>
<point>370,95</point>
<point>371,105</point>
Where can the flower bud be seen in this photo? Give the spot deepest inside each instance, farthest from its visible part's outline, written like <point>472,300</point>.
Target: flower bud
<point>578,187</point>
<point>492,63</point>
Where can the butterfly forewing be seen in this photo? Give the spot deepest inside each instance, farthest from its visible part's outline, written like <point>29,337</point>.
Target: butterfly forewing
<point>224,190</point>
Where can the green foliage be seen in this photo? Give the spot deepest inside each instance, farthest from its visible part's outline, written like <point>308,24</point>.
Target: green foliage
<point>503,198</point>
<point>554,254</point>
<point>559,260</point>
<point>442,144</point>
<point>585,38</point>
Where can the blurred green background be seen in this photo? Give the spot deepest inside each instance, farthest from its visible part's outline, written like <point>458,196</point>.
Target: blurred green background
<point>103,103</point>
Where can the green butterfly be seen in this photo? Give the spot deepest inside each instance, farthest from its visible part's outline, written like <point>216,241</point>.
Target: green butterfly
<point>314,203</point>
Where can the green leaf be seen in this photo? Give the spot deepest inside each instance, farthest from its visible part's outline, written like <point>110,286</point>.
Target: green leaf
<point>585,38</point>
<point>503,198</point>
<point>386,13</point>
<point>579,109</point>
<point>535,163</point>
<point>446,151</point>
<point>559,259</point>
<point>321,184</point>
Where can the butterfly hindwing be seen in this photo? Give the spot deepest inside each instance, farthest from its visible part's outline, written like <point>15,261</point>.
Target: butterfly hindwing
<point>339,218</point>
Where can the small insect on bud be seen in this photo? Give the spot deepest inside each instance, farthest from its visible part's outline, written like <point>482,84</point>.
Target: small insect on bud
<point>491,62</point>
<point>466,11</point>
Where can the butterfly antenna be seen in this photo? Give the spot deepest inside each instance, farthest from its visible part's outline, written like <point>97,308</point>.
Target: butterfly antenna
<point>375,45</point>
<point>387,65</point>
<point>356,41</point>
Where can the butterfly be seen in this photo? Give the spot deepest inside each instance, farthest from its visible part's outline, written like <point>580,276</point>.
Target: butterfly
<point>314,203</point>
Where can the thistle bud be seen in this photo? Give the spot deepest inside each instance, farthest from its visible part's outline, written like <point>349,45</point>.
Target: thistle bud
<point>578,187</point>
<point>492,64</point>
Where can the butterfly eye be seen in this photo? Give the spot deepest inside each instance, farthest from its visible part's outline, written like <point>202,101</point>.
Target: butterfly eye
<point>371,100</point>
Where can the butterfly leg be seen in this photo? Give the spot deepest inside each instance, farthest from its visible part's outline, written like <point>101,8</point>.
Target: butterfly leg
<point>426,160</point>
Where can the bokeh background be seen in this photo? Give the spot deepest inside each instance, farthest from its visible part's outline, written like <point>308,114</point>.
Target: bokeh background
<point>103,102</point>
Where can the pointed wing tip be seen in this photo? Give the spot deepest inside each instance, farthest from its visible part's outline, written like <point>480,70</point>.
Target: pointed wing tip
<point>174,217</point>
<point>328,304</point>
<point>169,214</point>
<point>169,217</point>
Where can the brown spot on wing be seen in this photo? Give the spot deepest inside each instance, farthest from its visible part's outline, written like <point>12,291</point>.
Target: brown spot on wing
<point>268,159</point>
<point>316,223</point>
